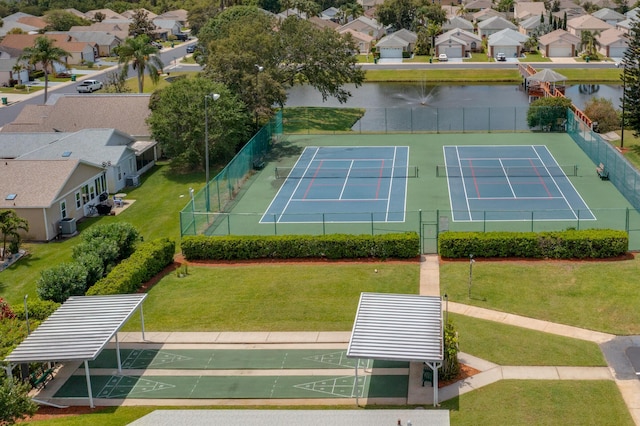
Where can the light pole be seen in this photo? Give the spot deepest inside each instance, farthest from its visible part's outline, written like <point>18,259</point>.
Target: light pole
<point>471,262</point>
<point>259,69</point>
<point>215,97</point>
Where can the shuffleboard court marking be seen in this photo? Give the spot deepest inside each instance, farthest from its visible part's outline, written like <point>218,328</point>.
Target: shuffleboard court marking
<point>140,358</point>
<point>332,358</point>
<point>126,386</point>
<point>340,386</point>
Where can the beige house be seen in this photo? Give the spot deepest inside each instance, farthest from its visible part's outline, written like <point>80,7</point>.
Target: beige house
<point>526,9</point>
<point>363,41</point>
<point>44,192</point>
<point>613,43</point>
<point>559,43</point>
<point>79,51</point>
<point>586,23</point>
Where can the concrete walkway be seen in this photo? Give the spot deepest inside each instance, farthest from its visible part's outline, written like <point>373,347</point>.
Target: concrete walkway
<point>613,348</point>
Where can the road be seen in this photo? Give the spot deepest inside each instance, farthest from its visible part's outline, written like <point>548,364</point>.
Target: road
<point>169,57</point>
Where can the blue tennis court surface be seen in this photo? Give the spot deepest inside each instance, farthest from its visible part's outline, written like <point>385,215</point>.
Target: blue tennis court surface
<point>343,184</point>
<point>509,183</point>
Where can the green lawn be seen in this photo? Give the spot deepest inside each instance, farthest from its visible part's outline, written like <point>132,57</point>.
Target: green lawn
<point>312,120</point>
<point>270,297</point>
<point>594,295</point>
<point>534,57</point>
<point>502,344</point>
<point>446,75</point>
<point>508,402</point>
<point>159,199</point>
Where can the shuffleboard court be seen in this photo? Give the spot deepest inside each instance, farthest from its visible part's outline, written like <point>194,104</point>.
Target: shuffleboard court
<point>232,359</point>
<point>343,184</point>
<point>232,387</point>
<point>510,183</point>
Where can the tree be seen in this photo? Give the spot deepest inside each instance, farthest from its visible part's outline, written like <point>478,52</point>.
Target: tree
<point>545,112</point>
<point>62,281</point>
<point>10,225</point>
<point>602,111</point>
<point>631,79</point>
<point>589,42</point>
<point>428,14</point>
<point>432,31</point>
<point>116,83</point>
<point>290,52</point>
<point>505,6</point>
<point>177,122</point>
<point>199,15</point>
<point>350,10</point>
<point>142,57</point>
<point>398,13</point>
<point>45,54</point>
<point>61,20</point>
<point>451,365</point>
<point>99,17</point>
<point>15,403</point>
<point>141,24</point>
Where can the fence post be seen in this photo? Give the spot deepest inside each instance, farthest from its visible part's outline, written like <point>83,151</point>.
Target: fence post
<point>531,220</point>
<point>228,223</point>
<point>463,122</point>
<point>371,223</point>
<point>626,221</point>
<point>324,230</point>
<point>420,231</point>
<point>275,225</point>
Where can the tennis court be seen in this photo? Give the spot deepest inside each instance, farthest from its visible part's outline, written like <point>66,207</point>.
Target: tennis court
<point>507,183</point>
<point>343,184</point>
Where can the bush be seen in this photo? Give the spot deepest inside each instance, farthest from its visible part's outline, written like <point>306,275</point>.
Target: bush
<point>5,310</point>
<point>15,403</point>
<point>19,87</point>
<point>38,309</point>
<point>333,246</point>
<point>571,244</point>
<point>149,259</point>
<point>12,332</point>
<point>602,112</point>
<point>546,112</point>
<point>110,243</point>
<point>94,266</point>
<point>62,281</point>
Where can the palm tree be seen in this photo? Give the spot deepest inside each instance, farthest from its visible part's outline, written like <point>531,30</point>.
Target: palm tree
<point>350,10</point>
<point>141,55</point>
<point>589,42</point>
<point>46,55</point>
<point>10,224</point>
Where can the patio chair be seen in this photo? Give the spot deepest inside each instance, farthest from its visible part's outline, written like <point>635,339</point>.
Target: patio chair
<point>117,202</point>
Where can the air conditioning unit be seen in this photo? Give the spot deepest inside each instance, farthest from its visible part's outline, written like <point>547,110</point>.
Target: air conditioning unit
<point>133,180</point>
<point>67,226</point>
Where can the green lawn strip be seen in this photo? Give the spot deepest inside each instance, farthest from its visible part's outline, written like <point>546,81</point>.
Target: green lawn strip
<point>541,402</point>
<point>596,295</point>
<point>509,345</point>
<point>446,75</point>
<point>270,297</point>
<point>534,57</point>
<point>310,120</point>
<point>155,214</point>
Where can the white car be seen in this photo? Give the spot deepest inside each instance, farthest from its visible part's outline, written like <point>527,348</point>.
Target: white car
<point>443,57</point>
<point>89,86</point>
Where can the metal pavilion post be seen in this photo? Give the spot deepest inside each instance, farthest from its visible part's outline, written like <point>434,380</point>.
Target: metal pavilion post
<point>118,359</point>
<point>88,377</point>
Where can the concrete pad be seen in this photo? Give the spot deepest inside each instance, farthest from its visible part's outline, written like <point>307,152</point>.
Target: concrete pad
<point>630,390</point>
<point>416,393</point>
<point>529,373</point>
<point>183,337</point>
<point>475,362</point>
<point>578,333</point>
<point>334,337</point>
<point>289,337</point>
<point>584,373</point>
<point>430,275</point>
<point>294,417</point>
<point>248,337</point>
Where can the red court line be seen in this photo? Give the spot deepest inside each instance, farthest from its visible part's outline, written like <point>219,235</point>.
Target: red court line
<point>475,181</point>
<point>380,178</point>
<point>546,188</point>
<point>312,180</point>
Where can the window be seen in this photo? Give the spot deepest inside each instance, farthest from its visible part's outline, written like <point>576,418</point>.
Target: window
<point>85,194</point>
<point>119,173</point>
<point>92,192</point>
<point>63,209</point>
<point>78,200</point>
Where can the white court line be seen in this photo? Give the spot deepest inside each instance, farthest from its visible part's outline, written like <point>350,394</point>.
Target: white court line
<point>507,178</point>
<point>556,183</point>
<point>518,198</point>
<point>464,185</point>
<point>393,166</point>
<point>346,179</point>
<point>324,200</point>
<point>286,206</point>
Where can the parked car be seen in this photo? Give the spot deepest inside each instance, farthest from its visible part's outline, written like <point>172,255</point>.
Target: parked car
<point>191,48</point>
<point>89,86</point>
<point>182,37</point>
<point>443,57</point>
<point>157,45</point>
<point>501,57</point>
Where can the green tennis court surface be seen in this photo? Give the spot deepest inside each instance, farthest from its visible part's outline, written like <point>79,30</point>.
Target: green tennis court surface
<point>230,359</point>
<point>231,387</point>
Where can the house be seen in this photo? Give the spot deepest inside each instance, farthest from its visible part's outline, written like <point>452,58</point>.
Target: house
<point>625,26</point>
<point>493,25</point>
<point>105,42</point>
<point>485,14</point>
<point>8,71</point>
<point>609,16</point>
<point>33,21</point>
<point>324,23</point>
<point>476,5</point>
<point>370,4</point>
<point>12,21</point>
<point>119,30</point>
<point>526,9</point>
<point>129,14</point>
<point>457,43</point>
<point>533,25</point>
<point>76,12</point>
<point>559,44</point>
<point>79,51</point>
<point>166,27</point>
<point>107,13</point>
<point>507,41</point>
<point>364,25</point>
<point>331,14</point>
<point>179,15</point>
<point>395,45</point>
<point>613,43</point>
<point>457,23</point>
<point>586,23</point>
<point>363,41</point>
<point>43,192</point>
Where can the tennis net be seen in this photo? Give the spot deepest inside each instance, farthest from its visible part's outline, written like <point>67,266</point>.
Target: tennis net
<point>515,171</point>
<point>343,173</point>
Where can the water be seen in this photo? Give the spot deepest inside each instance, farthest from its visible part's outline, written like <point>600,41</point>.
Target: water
<point>411,95</point>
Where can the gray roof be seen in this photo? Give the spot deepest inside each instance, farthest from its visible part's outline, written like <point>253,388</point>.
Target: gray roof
<point>398,327</point>
<point>16,145</point>
<point>78,330</point>
<point>608,14</point>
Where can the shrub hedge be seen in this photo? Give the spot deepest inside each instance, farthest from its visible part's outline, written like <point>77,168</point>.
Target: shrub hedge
<point>149,259</point>
<point>334,246</point>
<point>570,244</point>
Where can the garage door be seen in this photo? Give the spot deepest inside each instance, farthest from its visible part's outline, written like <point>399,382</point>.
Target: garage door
<point>560,51</point>
<point>509,51</point>
<point>390,52</point>
<point>453,52</point>
<point>616,52</point>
